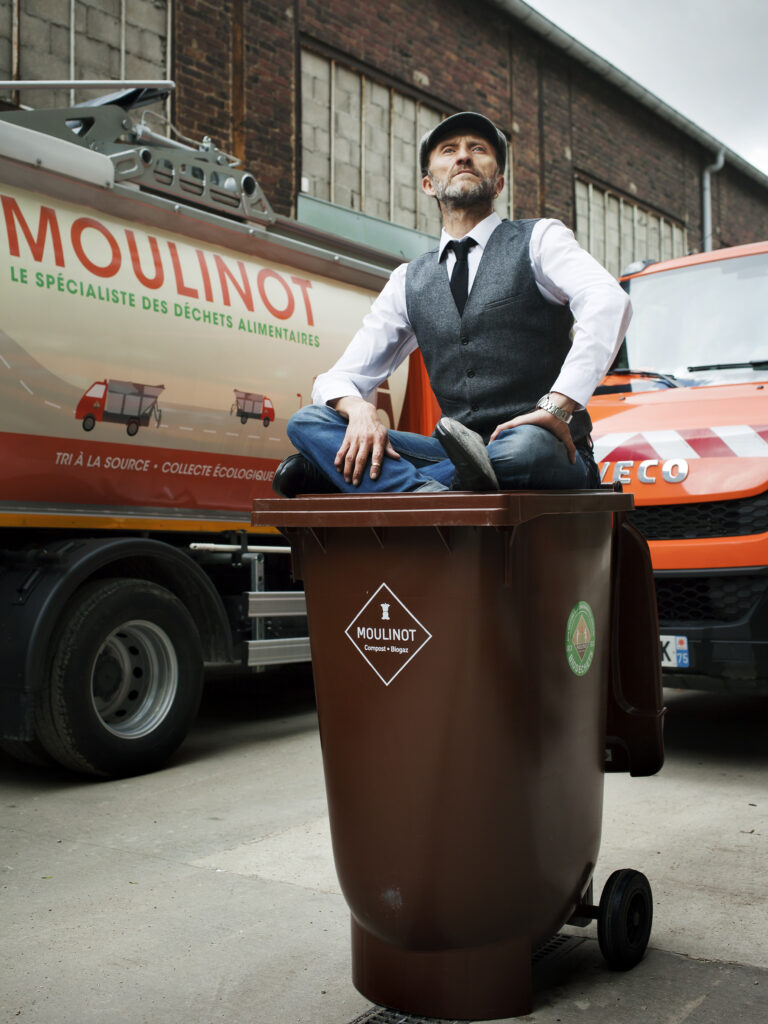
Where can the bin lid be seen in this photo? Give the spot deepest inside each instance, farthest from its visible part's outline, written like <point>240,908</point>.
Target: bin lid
<point>433,508</point>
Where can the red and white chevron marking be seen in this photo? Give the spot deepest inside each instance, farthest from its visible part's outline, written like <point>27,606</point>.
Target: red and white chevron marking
<point>691,443</point>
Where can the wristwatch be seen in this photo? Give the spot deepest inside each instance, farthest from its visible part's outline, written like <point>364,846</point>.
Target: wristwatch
<point>546,403</point>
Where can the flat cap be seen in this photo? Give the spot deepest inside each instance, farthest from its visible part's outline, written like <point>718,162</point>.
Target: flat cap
<point>466,121</point>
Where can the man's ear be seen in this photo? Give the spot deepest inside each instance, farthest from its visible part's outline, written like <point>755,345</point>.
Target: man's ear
<point>499,186</point>
<point>427,186</point>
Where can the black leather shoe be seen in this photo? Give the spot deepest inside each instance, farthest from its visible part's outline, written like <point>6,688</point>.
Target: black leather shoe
<point>296,475</point>
<point>467,451</point>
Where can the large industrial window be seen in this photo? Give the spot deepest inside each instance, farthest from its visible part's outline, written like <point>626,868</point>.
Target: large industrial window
<point>359,145</point>
<point>617,231</point>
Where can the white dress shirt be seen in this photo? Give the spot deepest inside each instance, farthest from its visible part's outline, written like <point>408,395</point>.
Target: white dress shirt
<point>564,274</point>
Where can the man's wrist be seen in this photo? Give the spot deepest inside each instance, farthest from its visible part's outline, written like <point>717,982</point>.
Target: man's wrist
<point>556,408</point>
<point>346,404</point>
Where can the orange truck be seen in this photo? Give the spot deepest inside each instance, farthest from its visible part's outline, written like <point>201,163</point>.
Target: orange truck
<point>127,560</point>
<point>682,422</point>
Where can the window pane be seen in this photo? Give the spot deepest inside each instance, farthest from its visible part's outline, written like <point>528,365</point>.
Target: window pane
<point>612,235</point>
<point>428,210</point>
<point>346,164</point>
<point>582,214</point>
<point>315,133</point>
<point>627,234</point>
<point>652,247</point>
<point>641,235</point>
<point>376,150</point>
<point>597,224</point>
<point>404,170</point>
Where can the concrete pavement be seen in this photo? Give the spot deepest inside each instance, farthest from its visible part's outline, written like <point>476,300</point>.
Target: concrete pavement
<point>206,892</point>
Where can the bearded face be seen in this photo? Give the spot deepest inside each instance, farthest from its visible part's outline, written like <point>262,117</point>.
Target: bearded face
<point>463,173</point>
<point>461,192</point>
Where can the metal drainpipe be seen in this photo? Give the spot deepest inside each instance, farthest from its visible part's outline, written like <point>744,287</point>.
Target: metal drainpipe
<point>706,199</point>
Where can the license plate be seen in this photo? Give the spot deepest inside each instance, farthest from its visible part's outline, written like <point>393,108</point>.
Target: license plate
<point>674,652</point>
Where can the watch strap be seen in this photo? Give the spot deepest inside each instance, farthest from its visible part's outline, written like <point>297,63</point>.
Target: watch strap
<point>548,405</point>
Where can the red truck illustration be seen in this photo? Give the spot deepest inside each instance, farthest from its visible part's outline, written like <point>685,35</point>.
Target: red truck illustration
<point>120,401</point>
<point>249,406</point>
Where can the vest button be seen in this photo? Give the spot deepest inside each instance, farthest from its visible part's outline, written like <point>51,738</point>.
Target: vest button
<point>470,373</point>
<point>475,408</point>
<point>465,341</point>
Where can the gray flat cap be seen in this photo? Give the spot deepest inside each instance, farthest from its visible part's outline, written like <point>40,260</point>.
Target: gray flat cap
<point>466,121</point>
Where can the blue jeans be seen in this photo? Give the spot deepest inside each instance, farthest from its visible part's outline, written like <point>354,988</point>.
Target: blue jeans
<point>524,458</point>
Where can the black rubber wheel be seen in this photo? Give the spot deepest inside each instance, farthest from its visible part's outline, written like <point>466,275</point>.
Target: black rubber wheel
<point>29,751</point>
<point>89,422</point>
<point>266,421</point>
<point>125,680</point>
<point>132,429</point>
<point>625,919</point>
<point>243,418</point>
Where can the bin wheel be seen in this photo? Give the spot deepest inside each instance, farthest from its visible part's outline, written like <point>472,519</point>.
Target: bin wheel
<point>243,418</point>
<point>266,421</point>
<point>132,429</point>
<point>624,919</point>
<point>89,422</point>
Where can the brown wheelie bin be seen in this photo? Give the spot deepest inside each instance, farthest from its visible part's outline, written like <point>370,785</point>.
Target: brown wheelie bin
<point>479,661</point>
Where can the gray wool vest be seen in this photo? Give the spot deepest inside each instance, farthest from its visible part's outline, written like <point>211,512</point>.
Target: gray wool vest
<point>505,352</point>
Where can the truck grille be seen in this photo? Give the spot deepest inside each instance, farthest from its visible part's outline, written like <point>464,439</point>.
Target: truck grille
<point>698,599</point>
<point>737,518</point>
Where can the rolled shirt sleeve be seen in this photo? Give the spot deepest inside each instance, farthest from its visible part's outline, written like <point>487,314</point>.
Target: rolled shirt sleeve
<point>567,274</point>
<point>383,341</point>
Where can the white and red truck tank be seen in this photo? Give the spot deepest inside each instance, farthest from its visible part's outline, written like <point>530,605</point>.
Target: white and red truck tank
<point>159,324</point>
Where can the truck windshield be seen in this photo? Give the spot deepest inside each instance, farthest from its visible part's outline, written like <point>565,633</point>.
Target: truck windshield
<point>702,324</point>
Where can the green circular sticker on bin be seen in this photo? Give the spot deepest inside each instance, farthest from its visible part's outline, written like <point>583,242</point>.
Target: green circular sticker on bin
<point>580,638</point>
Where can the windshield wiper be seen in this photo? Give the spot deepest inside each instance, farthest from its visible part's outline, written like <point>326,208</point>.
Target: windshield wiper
<point>753,364</point>
<point>667,378</point>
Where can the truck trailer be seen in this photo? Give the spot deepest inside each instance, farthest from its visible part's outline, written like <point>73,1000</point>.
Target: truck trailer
<point>127,560</point>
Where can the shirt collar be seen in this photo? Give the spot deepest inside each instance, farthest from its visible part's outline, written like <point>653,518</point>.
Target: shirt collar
<point>480,232</point>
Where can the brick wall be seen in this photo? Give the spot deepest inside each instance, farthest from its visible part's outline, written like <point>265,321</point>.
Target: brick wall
<point>567,122</point>
<point>237,67</point>
<point>562,119</point>
<point>202,70</point>
<point>208,94</point>
<point>738,209</point>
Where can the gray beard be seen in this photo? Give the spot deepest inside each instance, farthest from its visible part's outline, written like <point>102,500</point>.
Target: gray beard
<point>456,197</point>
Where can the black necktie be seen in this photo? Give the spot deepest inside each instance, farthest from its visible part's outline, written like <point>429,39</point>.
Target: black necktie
<point>460,274</point>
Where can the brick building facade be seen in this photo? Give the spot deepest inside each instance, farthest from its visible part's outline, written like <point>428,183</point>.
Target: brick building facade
<point>326,101</point>
<point>571,131</point>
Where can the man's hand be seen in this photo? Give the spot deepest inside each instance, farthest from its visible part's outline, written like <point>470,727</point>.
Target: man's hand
<point>366,436</point>
<point>540,418</point>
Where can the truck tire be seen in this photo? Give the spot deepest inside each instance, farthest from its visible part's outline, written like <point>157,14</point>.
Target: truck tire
<point>125,681</point>
<point>28,751</point>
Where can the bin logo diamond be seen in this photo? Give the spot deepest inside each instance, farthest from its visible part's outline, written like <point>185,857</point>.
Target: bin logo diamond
<point>580,638</point>
<point>387,634</point>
